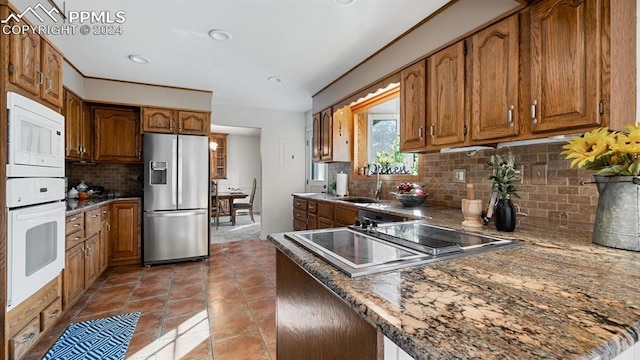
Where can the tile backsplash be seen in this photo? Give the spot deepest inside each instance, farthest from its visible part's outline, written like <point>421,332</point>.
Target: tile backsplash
<point>567,193</point>
<point>125,179</point>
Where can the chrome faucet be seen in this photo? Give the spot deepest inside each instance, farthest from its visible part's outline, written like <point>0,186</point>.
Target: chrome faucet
<point>375,168</point>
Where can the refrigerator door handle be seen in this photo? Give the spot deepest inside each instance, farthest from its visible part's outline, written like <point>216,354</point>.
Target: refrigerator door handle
<point>180,160</point>
<point>174,172</point>
<point>174,213</point>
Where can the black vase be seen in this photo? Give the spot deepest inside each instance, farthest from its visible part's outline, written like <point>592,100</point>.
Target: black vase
<point>505,217</point>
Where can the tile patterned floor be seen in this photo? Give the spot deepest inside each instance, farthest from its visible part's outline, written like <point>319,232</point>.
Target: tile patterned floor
<point>223,308</point>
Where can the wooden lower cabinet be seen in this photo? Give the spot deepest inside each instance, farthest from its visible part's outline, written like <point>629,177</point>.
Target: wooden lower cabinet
<point>74,278</point>
<point>325,215</point>
<point>330,329</point>
<point>31,319</point>
<point>312,215</point>
<point>345,216</point>
<point>125,233</point>
<point>91,259</point>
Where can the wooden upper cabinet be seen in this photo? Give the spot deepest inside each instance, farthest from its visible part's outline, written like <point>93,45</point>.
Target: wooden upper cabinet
<point>342,135</point>
<point>326,134</point>
<point>24,67</point>
<point>446,96</point>
<point>317,141</point>
<point>193,123</point>
<point>51,64</point>
<point>494,82</point>
<point>159,120</point>
<point>117,135</point>
<point>413,81</point>
<point>565,64</point>
<point>72,111</point>
<point>36,67</point>
<point>171,121</point>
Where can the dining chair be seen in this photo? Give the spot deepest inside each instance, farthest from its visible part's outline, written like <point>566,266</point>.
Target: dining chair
<point>215,204</point>
<point>244,205</point>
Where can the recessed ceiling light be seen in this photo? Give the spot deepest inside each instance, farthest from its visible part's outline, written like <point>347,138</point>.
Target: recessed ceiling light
<point>220,35</point>
<point>344,2</point>
<point>274,79</point>
<point>139,59</point>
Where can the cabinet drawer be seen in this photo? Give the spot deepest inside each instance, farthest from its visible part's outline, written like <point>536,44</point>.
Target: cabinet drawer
<point>21,342</point>
<point>300,215</point>
<point>300,204</point>
<point>299,225</point>
<point>92,222</point>
<point>104,213</point>
<point>325,211</point>
<point>51,314</point>
<point>312,207</point>
<point>74,239</point>
<point>74,223</point>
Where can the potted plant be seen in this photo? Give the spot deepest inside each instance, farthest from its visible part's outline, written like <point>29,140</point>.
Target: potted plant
<point>615,156</point>
<point>503,178</point>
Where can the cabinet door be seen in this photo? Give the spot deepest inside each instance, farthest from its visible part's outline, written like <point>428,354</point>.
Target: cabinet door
<point>565,64</point>
<point>92,259</point>
<point>105,229</point>
<point>24,69</point>
<point>125,233</point>
<point>219,157</point>
<point>445,89</point>
<point>317,137</point>
<point>326,135</point>
<point>51,90</point>
<point>193,123</point>
<point>72,111</point>
<point>494,84</point>
<point>117,135</point>
<point>413,107</point>
<point>73,274</point>
<point>86,140</point>
<point>158,120</point>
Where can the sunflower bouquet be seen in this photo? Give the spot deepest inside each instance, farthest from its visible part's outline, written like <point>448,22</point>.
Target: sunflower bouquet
<point>610,153</point>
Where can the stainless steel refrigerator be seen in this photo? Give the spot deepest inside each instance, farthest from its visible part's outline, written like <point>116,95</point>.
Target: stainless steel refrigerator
<point>176,198</point>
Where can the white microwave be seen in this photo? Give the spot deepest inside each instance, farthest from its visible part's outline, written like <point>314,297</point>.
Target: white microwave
<point>36,139</point>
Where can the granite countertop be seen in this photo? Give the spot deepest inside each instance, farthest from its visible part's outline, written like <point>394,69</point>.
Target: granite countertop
<point>557,297</point>
<point>75,206</point>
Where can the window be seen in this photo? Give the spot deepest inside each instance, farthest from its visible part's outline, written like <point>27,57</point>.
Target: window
<point>377,122</point>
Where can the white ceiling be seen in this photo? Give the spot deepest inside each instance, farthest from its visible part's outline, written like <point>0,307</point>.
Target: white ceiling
<point>306,43</point>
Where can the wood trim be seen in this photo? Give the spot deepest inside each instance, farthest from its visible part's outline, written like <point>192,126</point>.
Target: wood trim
<point>371,88</point>
<point>4,57</point>
<point>375,100</point>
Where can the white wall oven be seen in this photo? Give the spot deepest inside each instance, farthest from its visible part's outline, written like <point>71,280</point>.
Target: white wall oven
<point>35,190</point>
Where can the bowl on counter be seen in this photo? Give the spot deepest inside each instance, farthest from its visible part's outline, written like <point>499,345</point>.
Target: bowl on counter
<point>410,200</point>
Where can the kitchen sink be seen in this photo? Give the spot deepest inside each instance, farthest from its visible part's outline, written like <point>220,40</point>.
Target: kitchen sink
<point>359,200</point>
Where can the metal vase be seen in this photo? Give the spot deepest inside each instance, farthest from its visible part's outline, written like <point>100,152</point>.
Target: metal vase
<point>617,222</point>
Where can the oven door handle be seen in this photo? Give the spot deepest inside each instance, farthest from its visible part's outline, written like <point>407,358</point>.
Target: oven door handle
<point>38,214</point>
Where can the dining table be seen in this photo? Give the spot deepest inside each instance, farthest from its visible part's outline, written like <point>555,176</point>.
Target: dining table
<point>229,197</point>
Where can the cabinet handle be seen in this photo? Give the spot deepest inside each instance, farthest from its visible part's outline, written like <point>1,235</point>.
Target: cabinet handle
<point>94,216</point>
<point>72,219</point>
<point>171,125</point>
<point>104,211</point>
<point>76,225</point>
<point>77,238</point>
<point>54,314</point>
<point>180,123</point>
<point>431,131</point>
<point>108,227</point>
<point>41,81</point>
<point>510,116</point>
<point>28,338</point>
<point>420,132</point>
<point>533,111</point>
<point>139,154</point>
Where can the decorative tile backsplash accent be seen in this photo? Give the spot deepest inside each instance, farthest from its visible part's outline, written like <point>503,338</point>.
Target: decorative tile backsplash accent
<point>564,196</point>
<point>125,179</point>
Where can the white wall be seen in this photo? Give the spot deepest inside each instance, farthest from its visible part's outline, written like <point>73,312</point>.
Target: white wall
<point>282,154</point>
<point>135,94</point>
<point>243,164</point>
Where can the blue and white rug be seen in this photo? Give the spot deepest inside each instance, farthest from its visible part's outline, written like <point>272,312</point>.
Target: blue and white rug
<point>106,338</point>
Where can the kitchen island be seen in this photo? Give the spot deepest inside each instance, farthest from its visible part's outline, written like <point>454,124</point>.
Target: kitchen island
<point>557,297</point>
